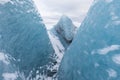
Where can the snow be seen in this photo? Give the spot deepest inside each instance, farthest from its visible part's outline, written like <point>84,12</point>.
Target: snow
<point>108,1</point>
<point>4,1</point>
<point>3,58</point>
<point>114,17</point>
<point>59,50</point>
<point>9,76</point>
<point>116,58</point>
<point>108,49</point>
<point>97,65</point>
<point>112,73</point>
<point>57,45</point>
<point>117,22</point>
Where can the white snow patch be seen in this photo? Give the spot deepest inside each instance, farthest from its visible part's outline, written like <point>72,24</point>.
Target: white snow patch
<point>112,73</point>
<point>59,50</point>
<point>117,22</point>
<point>9,76</point>
<point>40,77</point>
<point>4,58</point>
<point>108,49</point>
<point>108,1</point>
<point>96,65</point>
<point>115,17</point>
<point>116,58</point>
<point>57,45</point>
<point>4,1</point>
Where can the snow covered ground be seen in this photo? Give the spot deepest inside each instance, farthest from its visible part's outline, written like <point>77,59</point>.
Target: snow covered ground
<point>57,45</point>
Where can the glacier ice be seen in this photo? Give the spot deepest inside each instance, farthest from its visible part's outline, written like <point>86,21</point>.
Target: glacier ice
<point>94,53</point>
<point>65,30</point>
<point>7,70</point>
<point>4,1</point>
<point>23,36</point>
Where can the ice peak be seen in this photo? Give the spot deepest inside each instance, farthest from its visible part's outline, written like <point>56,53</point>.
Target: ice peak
<point>65,18</point>
<point>65,29</point>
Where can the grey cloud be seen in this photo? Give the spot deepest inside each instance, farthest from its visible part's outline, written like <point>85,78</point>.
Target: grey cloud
<point>51,10</point>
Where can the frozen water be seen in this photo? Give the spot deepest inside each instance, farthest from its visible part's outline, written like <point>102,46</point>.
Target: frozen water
<point>24,38</point>
<point>116,58</point>
<point>95,49</point>
<point>65,30</point>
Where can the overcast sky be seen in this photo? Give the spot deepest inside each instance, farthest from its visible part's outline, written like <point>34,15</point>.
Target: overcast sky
<point>52,10</point>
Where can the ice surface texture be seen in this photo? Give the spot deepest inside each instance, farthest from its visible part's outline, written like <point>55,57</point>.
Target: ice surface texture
<point>95,51</point>
<point>24,37</point>
<point>65,30</point>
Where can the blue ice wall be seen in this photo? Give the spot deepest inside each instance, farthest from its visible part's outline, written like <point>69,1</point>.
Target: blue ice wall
<point>95,51</point>
<point>24,37</point>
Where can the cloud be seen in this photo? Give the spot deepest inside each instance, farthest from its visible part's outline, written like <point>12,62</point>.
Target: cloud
<point>51,10</point>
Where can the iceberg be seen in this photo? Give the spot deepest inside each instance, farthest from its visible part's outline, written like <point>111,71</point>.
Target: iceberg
<point>23,36</point>
<point>65,30</point>
<point>95,51</point>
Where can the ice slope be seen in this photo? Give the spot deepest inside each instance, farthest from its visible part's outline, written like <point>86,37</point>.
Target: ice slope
<point>59,51</point>
<point>65,30</point>
<point>95,51</point>
<point>57,45</point>
<point>23,36</point>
